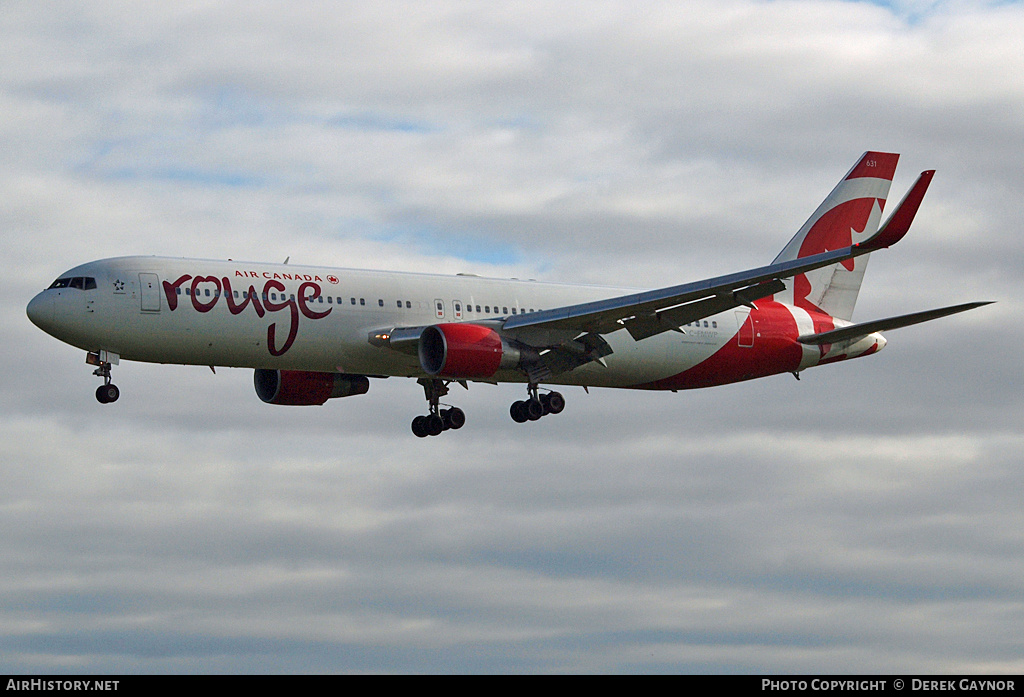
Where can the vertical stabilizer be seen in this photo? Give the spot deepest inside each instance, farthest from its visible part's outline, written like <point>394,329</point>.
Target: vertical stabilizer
<point>849,215</point>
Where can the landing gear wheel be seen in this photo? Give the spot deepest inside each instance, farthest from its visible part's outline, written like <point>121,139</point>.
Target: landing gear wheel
<point>555,402</point>
<point>518,412</point>
<point>534,409</point>
<point>454,418</point>
<point>537,405</point>
<point>105,394</point>
<point>434,424</point>
<point>438,419</point>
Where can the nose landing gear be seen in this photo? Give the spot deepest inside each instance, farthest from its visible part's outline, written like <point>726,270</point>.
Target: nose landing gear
<point>107,392</point>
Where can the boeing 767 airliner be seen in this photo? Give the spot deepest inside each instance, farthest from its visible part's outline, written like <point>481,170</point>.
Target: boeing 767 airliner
<point>313,333</point>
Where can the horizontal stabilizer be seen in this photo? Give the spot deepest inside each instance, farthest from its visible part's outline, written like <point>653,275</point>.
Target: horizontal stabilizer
<point>855,331</point>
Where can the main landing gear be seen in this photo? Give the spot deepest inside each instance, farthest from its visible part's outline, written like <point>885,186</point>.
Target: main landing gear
<point>438,420</point>
<point>107,392</point>
<point>536,406</point>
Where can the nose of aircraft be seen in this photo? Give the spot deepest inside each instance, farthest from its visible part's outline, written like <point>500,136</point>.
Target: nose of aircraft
<point>40,311</point>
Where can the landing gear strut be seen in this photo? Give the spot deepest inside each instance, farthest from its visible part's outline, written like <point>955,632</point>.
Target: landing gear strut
<point>107,392</point>
<point>536,405</point>
<point>438,419</point>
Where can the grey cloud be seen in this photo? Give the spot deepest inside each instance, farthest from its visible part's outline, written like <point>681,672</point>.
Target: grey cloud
<point>862,519</point>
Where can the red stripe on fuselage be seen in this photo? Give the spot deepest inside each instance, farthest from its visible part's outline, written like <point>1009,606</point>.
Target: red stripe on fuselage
<point>775,350</point>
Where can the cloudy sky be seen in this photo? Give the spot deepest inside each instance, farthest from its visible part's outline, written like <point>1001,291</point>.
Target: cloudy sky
<point>865,519</point>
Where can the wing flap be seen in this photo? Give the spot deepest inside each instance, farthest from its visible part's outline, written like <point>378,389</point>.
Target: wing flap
<point>672,318</point>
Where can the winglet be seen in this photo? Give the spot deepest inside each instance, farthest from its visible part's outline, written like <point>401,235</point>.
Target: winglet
<point>899,222</point>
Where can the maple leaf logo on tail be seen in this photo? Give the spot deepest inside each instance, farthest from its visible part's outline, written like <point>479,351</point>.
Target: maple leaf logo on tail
<point>850,214</point>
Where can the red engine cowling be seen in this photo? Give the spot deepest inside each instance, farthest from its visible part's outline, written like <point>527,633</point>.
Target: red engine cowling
<point>462,350</point>
<point>304,388</point>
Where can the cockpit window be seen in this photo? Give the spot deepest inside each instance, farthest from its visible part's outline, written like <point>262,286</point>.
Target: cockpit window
<point>79,282</point>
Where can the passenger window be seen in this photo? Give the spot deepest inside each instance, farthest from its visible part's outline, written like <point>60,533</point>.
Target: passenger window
<point>399,304</point>
<point>513,310</point>
<point>362,301</point>
<point>408,304</point>
<point>504,310</point>
<point>380,302</point>
<point>478,308</point>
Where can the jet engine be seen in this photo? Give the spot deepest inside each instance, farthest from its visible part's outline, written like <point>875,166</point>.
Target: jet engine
<point>304,388</point>
<point>463,350</point>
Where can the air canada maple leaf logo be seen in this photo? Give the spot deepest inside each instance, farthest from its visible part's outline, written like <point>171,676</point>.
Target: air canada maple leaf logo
<point>332,279</point>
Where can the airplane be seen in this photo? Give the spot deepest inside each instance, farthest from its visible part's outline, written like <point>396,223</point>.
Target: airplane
<point>313,333</point>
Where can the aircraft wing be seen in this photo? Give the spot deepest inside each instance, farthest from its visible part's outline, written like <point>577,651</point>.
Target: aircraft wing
<point>647,313</point>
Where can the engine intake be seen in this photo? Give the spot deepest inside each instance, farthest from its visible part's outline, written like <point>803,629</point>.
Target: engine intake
<point>462,350</point>
<point>305,388</point>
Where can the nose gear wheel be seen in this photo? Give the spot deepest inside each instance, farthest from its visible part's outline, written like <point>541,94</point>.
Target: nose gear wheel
<point>107,392</point>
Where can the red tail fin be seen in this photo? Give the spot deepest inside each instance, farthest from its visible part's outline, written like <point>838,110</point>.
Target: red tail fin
<point>848,215</point>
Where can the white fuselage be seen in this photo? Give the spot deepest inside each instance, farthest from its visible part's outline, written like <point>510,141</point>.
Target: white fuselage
<point>243,314</point>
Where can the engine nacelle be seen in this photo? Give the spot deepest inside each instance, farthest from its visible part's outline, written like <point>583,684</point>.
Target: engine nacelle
<point>463,350</point>
<point>304,388</point>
